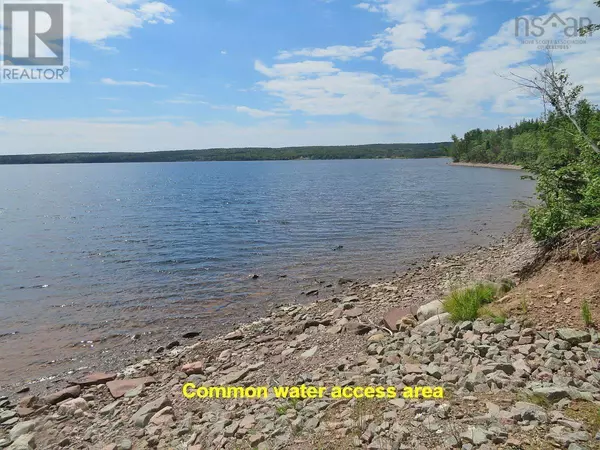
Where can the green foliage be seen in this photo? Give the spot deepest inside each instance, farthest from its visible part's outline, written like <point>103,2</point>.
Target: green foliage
<point>496,316</point>
<point>376,151</point>
<point>465,304</point>
<point>586,314</point>
<point>559,157</point>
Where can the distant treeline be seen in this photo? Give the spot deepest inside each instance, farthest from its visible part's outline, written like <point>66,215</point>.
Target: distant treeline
<point>375,151</point>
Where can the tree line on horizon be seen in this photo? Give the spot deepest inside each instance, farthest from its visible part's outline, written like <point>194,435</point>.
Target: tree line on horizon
<point>374,151</point>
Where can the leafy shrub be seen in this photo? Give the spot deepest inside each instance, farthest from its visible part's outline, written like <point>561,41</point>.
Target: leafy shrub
<point>464,304</point>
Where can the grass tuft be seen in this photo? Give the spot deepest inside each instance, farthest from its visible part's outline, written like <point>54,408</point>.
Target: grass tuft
<point>464,304</point>
<point>586,314</point>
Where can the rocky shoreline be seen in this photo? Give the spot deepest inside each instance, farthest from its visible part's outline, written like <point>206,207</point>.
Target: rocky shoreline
<point>507,385</point>
<point>487,166</point>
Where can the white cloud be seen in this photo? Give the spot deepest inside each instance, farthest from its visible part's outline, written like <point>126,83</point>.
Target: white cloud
<point>111,82</point>
<point>256,113</point>
<point>94,21</point>
<point>428,63</point>
<point>404,35</point>
<point>342,52</point>
<point>296,69</point>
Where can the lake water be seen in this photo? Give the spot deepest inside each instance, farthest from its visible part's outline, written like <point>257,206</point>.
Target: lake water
<point>94,253</point>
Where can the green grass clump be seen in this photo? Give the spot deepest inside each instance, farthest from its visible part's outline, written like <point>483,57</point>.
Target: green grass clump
<point>586,314</point>
<point>498,317</point>
<point>464,304</point>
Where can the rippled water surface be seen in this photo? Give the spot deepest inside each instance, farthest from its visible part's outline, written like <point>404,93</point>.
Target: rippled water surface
<point>89,252</point>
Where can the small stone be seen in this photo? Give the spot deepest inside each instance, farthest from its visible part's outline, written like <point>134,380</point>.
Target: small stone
<point>172,345</point>
<point>310,353</point>
<point>125,444</point>
<point>70,392</point>
<point>191,335</point>
<point>118,388</point>
<point>142,416</point>
<point>193,368</point>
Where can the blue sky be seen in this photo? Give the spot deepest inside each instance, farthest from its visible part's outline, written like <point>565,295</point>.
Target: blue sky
<point>149,75</point>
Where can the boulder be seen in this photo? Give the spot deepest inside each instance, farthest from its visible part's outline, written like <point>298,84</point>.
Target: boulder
<point>429,310</point>
<point>394,315</point>
<point>22,428</point>
<point>23,442</point>
<point>433,322</point>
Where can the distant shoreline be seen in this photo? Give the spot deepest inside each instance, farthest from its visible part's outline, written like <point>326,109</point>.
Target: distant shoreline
<point>487,165</point>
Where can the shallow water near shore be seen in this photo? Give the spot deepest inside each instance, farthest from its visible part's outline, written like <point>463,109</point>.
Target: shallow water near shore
<point>92,254</point>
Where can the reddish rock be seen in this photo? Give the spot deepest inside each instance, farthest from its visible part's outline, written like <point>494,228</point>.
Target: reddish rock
<point>391,318</point>
<point>28,402</point>
<point>193,368</point>
<point>118,388</point>
<point>95,378</point>
<point>70,392</point>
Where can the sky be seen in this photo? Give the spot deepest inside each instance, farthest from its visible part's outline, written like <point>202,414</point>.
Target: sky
<point>189,74</point>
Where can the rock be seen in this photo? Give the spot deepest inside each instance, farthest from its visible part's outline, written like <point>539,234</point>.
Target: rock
<point>70,392</point>
<point>475,436</point>
<point>394,315</point>
<point>354,312</point>
<point>528,411</point>
<point>191,335</point>
<point>143,415</point>
<point>125,444</point>
<point>357,328</point>
<point>377,337</point>
<point>22,428</point>
<point>552,393</point>
<point>118,388</point>
<point>193,368</point>
<point>163,417</point>
<point>255,439</point>
<point>110,408</point>
<point>23,442</point>
<point>234,336</point>
<point>6,415</point>
<point>68,407</point>
<point>433,322</point>
<point>309,353</point>
<point>430,309</point>
<point>574,337</point>
<point>135,391</point>
<point>95,378</point>
<point>172,345</point>
<point>398,403</point>
<point>234,377</point>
